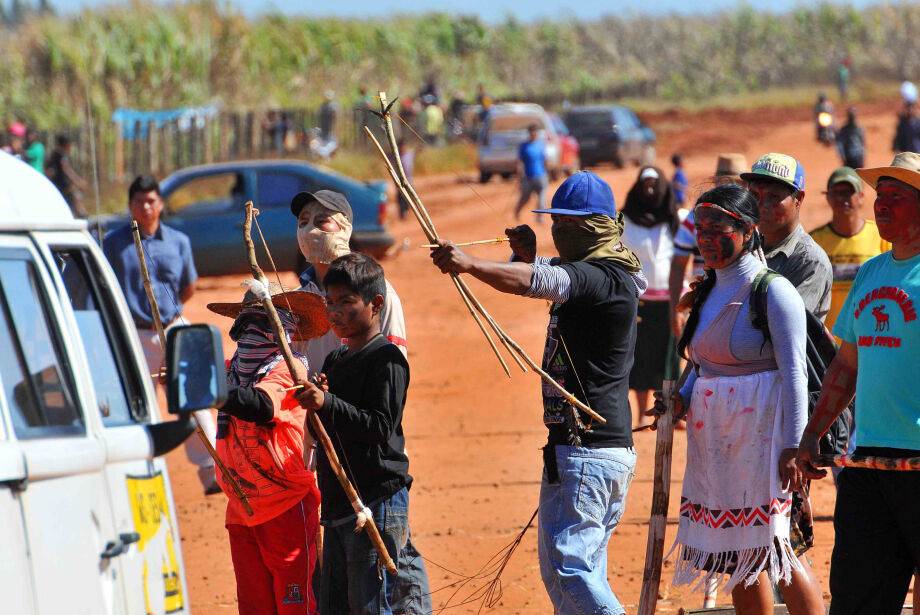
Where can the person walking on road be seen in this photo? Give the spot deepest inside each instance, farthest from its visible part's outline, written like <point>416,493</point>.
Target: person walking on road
<point>532,171</point>
<point>168,253</point>
<point>877,537</point>
<point>594,286</point>
<point>651,221</point>
<point>851,141</point>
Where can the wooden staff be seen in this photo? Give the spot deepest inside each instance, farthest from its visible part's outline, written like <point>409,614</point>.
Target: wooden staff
<point>661,495</point>
<point>481,242</point>
<point>418,209</point>
<point>903,464</point>
<point>657,525</point>
<point>158,324</point>
<point>369,526</point>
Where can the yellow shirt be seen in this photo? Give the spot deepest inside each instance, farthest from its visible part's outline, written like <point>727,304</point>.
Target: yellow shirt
<point>846,255</point>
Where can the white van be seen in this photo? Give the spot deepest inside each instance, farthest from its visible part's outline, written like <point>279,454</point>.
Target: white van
<point>87,519</point>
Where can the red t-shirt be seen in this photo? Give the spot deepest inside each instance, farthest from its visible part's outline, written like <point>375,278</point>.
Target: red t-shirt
<point>267,460</point>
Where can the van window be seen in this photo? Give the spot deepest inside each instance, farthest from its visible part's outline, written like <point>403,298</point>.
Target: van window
<point>116,383</point>
<point>38,389</point>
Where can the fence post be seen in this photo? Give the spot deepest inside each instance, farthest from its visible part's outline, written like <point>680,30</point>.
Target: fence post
<point>223,133</point>
<point>119,153</point>
<point>164,149</point>
<point>208,140</point>
<point>153,154</point>
<point>136,149</point>
<point>254,140</point>
<point>176,145</point>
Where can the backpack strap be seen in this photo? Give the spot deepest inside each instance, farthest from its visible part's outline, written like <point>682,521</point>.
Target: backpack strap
<point>758,303</point>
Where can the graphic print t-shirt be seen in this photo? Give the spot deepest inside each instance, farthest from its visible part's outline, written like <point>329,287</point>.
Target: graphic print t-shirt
<point>596,327</point>
<point>880,317</point>
<point>847,254</point>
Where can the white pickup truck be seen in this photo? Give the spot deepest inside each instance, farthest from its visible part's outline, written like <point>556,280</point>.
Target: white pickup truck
<point>87,519</point>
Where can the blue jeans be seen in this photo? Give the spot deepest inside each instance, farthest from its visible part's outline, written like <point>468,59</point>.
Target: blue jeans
<point>350,583</point>
<point>577,516</point>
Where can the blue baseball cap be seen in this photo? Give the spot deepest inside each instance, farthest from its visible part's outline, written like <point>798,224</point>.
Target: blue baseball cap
<point>778,167</point>
<point>582,194</point>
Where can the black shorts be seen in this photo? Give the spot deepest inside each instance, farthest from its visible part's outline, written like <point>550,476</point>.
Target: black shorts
<point>877,542</point>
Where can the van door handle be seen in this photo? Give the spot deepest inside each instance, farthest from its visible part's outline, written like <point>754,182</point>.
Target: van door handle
<point>116,548</point>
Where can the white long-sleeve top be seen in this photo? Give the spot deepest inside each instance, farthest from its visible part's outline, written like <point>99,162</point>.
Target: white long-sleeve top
<point>786,321</point>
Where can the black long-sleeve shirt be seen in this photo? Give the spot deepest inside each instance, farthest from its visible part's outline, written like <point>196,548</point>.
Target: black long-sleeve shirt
<point>363,414</point>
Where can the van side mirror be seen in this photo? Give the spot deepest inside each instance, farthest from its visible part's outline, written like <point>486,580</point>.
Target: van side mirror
<point>195,375</point>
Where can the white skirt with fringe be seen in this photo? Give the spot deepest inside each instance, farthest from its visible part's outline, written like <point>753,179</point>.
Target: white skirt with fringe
<point>734,515</point>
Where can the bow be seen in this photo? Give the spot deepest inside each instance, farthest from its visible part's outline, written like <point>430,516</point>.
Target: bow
<point>421,214</point>
<point>158,324</point>
<point>298,373</point>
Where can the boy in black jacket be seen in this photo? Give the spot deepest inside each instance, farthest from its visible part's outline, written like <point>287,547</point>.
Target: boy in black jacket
<point>367,380</point>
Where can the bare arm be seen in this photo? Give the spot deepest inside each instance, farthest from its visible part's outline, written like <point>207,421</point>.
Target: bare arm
<point>675,286</point>
<point>72,175</point>
<point>837,390</point>
<point>512,278</point>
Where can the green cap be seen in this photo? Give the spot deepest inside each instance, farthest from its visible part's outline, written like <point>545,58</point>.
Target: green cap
<point>845,174</point>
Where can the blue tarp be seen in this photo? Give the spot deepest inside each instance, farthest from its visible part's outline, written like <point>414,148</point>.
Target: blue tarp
<point>186,116</point>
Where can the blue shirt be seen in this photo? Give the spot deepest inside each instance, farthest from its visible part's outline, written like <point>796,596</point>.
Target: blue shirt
<point>879,316</point>
<point>168,253</point>
<point>679,185</point>
<point>533,155</point>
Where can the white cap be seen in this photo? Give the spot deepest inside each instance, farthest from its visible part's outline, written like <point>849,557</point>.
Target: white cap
<point>648,173</point>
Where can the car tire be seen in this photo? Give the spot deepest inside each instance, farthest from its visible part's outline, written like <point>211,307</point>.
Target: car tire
<point>507,176</point>
<point>618,161</point>
<point>484,177</point>
<point>554,175</point>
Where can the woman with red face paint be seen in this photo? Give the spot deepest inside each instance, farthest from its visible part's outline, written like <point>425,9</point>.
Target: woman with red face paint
<point>747,400</point>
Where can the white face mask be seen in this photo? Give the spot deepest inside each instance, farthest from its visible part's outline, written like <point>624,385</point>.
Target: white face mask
<point>319,246</point>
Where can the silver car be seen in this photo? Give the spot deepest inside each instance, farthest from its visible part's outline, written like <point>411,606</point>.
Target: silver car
<point>503,131</point>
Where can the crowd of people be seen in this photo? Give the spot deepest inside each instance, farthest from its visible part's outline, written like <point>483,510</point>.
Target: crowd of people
<point>728,284</point>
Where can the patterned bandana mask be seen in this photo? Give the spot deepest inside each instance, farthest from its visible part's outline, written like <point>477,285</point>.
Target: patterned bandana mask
<point>323,246</point>
<point>255,343</point>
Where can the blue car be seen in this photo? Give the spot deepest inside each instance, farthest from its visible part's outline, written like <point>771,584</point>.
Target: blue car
<point>206,203</point>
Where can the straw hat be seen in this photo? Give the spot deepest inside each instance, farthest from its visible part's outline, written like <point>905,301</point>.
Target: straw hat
<point>905,167</point>
<point>309,308</point>
<point>731,165</point>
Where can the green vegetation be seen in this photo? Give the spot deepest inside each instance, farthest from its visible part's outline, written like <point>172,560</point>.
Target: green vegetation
<point>455,158</point>
<point>157,56</point>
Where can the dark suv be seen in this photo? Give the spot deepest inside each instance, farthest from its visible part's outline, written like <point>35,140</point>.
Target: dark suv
<point>610,134</point>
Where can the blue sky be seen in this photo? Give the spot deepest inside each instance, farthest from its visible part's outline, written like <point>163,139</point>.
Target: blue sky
<point>489,10</point>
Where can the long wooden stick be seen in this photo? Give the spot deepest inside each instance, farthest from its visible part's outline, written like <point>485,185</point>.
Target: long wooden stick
<point>158,324</point>
<point>481,242</point>
<point>661,495</point>
<point>351,493</point>
<point>657,525</point>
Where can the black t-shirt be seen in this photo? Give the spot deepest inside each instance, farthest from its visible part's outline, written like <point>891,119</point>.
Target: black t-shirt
<point>363,416</point>
<point>598,327</point>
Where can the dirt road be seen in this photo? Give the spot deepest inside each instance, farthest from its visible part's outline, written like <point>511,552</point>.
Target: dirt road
<point>473,435</point>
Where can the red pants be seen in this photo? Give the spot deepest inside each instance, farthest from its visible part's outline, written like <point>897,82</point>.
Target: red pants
<point>274,562</point>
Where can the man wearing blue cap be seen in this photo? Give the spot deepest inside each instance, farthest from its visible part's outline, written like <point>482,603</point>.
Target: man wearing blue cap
<point>778,182</point>
<point>594,285</point>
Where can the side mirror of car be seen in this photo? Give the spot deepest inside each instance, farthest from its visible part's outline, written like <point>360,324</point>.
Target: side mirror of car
<point>195,375</point>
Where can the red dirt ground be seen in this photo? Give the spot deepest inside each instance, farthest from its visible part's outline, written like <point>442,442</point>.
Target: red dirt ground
<point>473,434</point>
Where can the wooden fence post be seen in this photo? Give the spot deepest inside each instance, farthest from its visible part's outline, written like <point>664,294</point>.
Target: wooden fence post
<point>153,154</point>
<point>136,149</point>
<point>208,140</point>
<point>223,134</point>
<point>119,153</point>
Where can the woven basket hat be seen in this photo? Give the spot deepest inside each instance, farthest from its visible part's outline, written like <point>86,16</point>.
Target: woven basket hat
<point>309,309</point>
